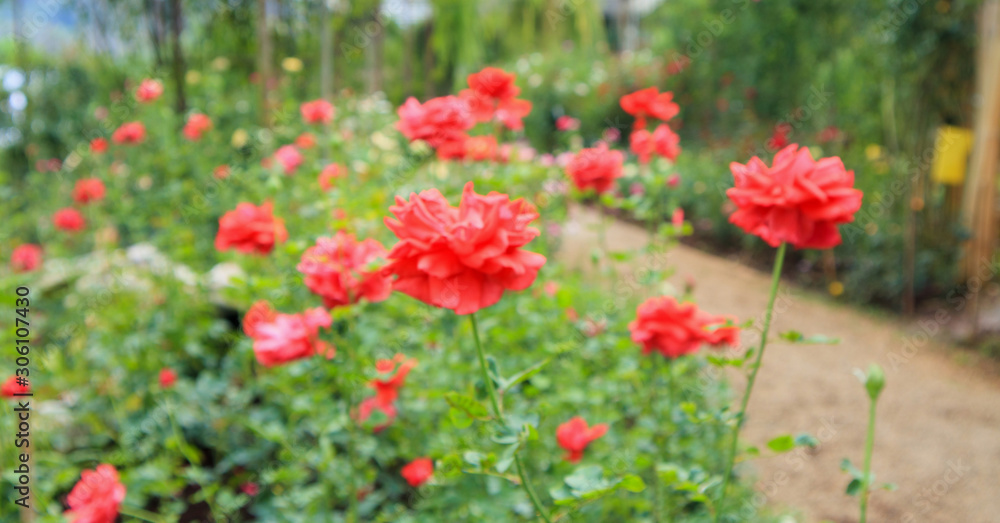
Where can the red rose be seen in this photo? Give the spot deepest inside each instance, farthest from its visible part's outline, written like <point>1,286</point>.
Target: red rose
<point>197,124</point>
<point>662,141</point>
<point>260,312</point>
<point>511,112</point>
<point>88,190</point>
<point>289,157</point>
<point>341,270</point>
<point>97,497</point>
<point>494,83</point>
<point>480,148</point>
<point>250,229</point>
<point>305,141</point>
<point>149,90</point>
<point>289,337</point>
<point>828,134</point>
<point>167,378</point>
<point>250,489</point>
<point>418,471</point>
<point>462,258</point>
<point>395,370</point>
<point>648,103</point>
<point>69,219</point>
<point>26,258</point>
<point>596,168</point>
<point>797,200</point>
<point>567,123</point>
<point>98,145</point>
<point>11,387</point>
<point>369,405</point>
<point>330,173</point>
<point>675,329</point>
<point>221,172</point>
<point>129,133</point>
<point>575,435</point>
<point>317,111</point>
<point>439,121</point>
<point>779,138</point>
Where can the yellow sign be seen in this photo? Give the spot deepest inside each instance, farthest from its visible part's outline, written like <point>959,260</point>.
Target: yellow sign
<point>951,155</point>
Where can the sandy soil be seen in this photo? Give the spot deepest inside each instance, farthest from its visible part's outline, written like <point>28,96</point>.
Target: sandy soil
<point>938,433</point>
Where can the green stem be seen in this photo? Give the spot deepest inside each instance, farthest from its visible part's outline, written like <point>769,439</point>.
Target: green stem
<point>498,412</point>
<point>657,502</point>
<point>869,445</point>
<point>139,513</point>
<point>741,415</point>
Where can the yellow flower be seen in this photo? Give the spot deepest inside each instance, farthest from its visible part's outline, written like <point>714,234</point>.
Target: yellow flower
<point>291,64</point>
<point>873,152</point>
<point>192,77</point>
<point>836,288</point>
<point>240,138</point>
<point>221,63</point>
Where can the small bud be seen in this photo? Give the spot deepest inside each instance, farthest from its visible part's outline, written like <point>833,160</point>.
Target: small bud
<point>875,381</point>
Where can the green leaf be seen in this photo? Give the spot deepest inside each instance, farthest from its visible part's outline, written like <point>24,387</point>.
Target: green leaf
<point>632,483</point>
<point>846,466</point>
<point>782,443</point>
<point>465,409</point>
<point>509,383</point>
<point>853,487</point>
<point>797,337</point>
<point>806,440</point>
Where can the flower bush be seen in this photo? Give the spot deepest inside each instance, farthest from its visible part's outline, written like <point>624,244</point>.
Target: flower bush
<point>230,347</point>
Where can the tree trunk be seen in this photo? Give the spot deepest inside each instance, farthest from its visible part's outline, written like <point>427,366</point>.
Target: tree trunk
<point>178,56</point>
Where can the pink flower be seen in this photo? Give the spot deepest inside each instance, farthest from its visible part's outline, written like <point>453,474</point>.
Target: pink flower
<point>250,488</point>
<point>511,112</point>
<point>661,141</point>
<point>673,181</point>
<point>369,405</point>
<point>289,337</point>
<point>250,229</point>
<point>148,90</point>
<point>289,157</point>
<point>129,133</point>
<point>168,377</point>
<point>88,190</point>
<point>317,111</point>
<point>567,123</point>
<point>26,258</point>
<point>440,121</point>
<point>96,498</point>
<point>12,387</point>
<point>98,145</point>
<point>330,173</point>
<point>196,125</point>
<point>596,168</point>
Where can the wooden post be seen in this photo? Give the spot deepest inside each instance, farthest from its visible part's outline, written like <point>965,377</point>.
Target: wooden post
<point>979,211</point>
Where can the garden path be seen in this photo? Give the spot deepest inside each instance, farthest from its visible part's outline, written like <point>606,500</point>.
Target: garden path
<point>938,433</point>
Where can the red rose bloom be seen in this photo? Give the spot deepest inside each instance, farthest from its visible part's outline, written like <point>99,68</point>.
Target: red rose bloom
<point>649,103</point>
<point>330,173</point>
<point>662,142</point>
<point>462,258</point>
<point>98,145</point>
<point>368,406</point>
<point>197,124</point>
<point>289,157</point>
<point>69,219</point>
<point>149,90</point>
<point>779,138</point>
<point>221,172</point>
<point>250,229</point>
<point>828,134</point>
<point>418,471</point>
<point>596,168</point>
<point>510,113</point>
<point>260,312</point>
<point>797,200</point>
<point>567,123</point>
<point>675,329</point>
<point>167,378</point>
<point>26,258</point>
<point>289,337</point>
<point>88,190</point>
<point>250,489</point>
<point>11,387</point>
<point>129,133</point>
<point>439,121</point>
<point>305,141</point>
<point>341,270</point>
<point>97,497</point>
<point>480,148</point>
<point>396,369</point>
<point>575,435</point>
<point>494,83</point>
<point>317,111</point>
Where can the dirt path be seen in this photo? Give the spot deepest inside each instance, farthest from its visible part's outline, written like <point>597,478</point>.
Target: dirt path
<point>938,434</point>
